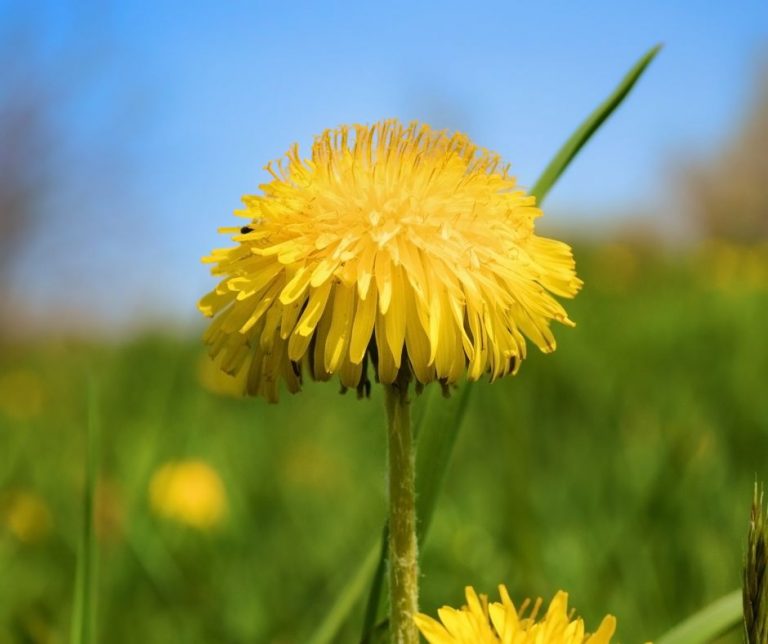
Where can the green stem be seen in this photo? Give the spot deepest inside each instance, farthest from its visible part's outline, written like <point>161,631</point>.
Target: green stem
<point>403,549</point>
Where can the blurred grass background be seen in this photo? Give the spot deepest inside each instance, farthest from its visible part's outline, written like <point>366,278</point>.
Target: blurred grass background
<point>619,468</point>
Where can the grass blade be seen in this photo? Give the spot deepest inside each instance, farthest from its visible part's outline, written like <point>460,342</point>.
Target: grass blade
<point>83,617</point>
<point>437,435</point>
<point>716,619</point>
<point>345,602</point>
<point>579,138</point>
<point>373,606</point>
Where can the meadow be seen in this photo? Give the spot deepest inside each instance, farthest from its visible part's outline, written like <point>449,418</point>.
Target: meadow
<point>620,468</point>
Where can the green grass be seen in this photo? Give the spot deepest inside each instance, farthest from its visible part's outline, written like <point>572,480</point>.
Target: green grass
<point>620,468</point>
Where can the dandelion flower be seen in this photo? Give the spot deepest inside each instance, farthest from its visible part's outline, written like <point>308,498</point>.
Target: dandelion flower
<point>482,623</point>
<point>189,492</point>
<point>26,516</point>
<point>218,382</point>
<point>392,246</point>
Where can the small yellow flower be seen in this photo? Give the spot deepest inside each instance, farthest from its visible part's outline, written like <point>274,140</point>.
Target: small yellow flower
<point>218,382</point>
<point>398,246</point>
<point>500,622</point>
<point>26,516</point>
<point>190,492</point>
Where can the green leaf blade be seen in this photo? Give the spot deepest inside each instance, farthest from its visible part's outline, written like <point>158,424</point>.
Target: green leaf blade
<point>718,618</point>
<point>334,619</point>
<point>437,435</point>
<point>579,138</point>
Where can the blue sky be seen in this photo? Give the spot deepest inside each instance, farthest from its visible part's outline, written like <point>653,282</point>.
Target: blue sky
<point>176,107</point>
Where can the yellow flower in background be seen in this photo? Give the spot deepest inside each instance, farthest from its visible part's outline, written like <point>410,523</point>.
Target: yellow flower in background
<point>390,244</point>
<point>482,623</point>
<point>218,382</point>
<point>190,492</point>
<point>26,516</point>
<point>21,394</point>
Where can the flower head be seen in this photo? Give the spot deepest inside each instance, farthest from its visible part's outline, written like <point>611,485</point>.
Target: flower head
<point>190,492</point>
<point>500,622</point>
<point>402,246</point>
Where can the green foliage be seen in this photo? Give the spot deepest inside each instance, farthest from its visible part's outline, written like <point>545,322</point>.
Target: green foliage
<point>615,468</point>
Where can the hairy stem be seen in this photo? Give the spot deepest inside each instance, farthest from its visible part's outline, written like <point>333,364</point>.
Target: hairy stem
<point>403,549</point>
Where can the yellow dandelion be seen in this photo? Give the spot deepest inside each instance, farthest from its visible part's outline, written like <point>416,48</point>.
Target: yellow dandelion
<point>218,382</point>
<point>391,245</point>
<point>482,623</point>
<point>190,492</point>
<point>26,516</point>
